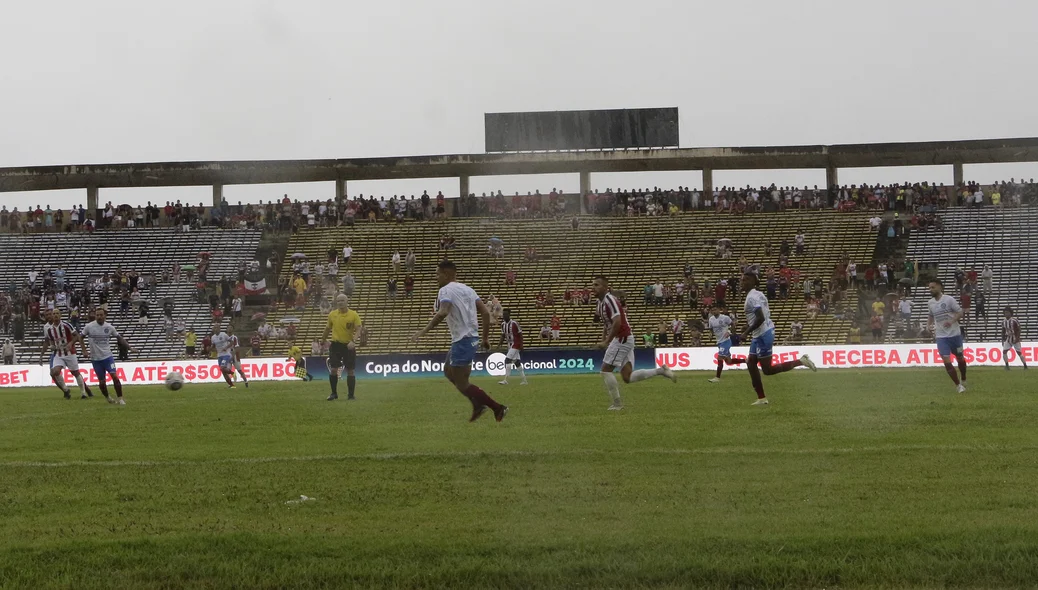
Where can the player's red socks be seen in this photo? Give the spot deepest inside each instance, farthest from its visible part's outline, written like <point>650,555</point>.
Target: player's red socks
<point>951,372</point>
<point>770,369</point>
<point>480,397</point>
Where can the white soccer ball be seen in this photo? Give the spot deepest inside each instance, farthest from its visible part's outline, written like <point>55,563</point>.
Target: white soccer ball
<point>174,381</point>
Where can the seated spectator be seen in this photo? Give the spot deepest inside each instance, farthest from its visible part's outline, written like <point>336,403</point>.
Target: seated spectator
<point>510,277</point>
<point>531,254</point>
<point>567,297</point>
<point>796,331</point>
<point>408,286</point>
<point>391,288</point>
<point>549,299</point>
<point>648,340</point>
<point>542,299</point>
<point>812,308</point>
<point>545,333</point>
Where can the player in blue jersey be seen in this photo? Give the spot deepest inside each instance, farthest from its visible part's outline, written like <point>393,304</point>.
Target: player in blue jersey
<point>720,325</point>
<point>945,314</point>
<point>762,329</point>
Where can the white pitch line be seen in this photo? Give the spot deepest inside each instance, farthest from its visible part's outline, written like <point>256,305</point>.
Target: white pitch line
<point>546,454</point>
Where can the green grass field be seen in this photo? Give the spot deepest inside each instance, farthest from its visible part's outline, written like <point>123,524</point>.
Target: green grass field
<point>877,478</point>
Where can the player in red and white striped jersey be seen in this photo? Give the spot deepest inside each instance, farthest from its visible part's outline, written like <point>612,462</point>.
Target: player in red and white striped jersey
<point>1011,337</point>
<point>513,335</point>
<point>235,357</point>
<point>60,338</point>
<point>618,340</point>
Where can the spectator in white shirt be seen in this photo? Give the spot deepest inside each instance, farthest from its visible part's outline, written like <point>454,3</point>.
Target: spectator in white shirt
<point>396,262</point>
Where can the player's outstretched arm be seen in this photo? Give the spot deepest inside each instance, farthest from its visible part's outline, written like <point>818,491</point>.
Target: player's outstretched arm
<point>484,315</point>
<point>123,342</point>
<point>439,316</point>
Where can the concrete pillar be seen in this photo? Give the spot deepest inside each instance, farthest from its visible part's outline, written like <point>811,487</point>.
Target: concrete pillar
<point>832,176</point>
<point>957,174</point>
<point>91,205</point>
<point>708,181</point>
<point>217,195</point>
<point>463,186</point>
<point>340,188</point>
<point>585,190</point>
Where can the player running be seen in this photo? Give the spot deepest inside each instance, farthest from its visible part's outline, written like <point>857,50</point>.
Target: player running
<point>760,326</point>
<point>618,340</point>
<point>98,335</point>
<point>62,338</point>
<point>720,325</point>
<point>513,335</point>
<point>462,308</point>
<point>1011,337</point>
<point>224,346</point>
<point>945,314</point>
<point>236,355</point>
<point>344,328</point>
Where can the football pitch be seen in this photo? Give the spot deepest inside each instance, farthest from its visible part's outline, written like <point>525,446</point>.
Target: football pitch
<point>878,478</point>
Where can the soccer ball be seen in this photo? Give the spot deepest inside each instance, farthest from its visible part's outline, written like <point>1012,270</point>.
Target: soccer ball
<point>174,381</point>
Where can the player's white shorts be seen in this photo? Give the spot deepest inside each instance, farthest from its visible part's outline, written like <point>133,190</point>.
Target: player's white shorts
<point>1015,346</point>
<point>620,352</point>
<point>513,354</point>
<point>69,362</point>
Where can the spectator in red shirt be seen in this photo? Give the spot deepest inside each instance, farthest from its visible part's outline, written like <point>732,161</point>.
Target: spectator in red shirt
<point>542,299</point>
<point>408,286</point>
<point>877,327</point>
<point>870,277</point>
<point>510,277</point>
<point>556,327</point>
<point>719,291</point>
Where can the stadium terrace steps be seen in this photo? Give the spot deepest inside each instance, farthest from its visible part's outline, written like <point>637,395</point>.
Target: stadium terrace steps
<point>84,255</point>
<point>1007,239</point>
<point>633,252</point>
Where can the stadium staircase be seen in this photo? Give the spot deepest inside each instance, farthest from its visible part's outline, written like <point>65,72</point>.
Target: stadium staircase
<point>633,252</point>
<point>83,255</point>
<point>1007,239</point>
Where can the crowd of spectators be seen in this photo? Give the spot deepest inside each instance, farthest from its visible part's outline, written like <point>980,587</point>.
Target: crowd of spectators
<point>286,214</point>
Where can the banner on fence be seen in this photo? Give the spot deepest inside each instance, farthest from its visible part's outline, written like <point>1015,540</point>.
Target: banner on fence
<point>535,362</point>
<point>848,356</point>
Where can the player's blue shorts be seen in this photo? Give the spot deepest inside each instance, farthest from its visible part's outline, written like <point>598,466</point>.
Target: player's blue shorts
<point>950,345</point>
<point>462,352</point>
<point>105,366</point>
<point>225,361</point>
<point>724,348</point>
<point>761,346</point>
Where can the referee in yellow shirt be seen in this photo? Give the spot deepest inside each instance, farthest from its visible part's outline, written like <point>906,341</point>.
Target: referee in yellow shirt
<point>344,328</point>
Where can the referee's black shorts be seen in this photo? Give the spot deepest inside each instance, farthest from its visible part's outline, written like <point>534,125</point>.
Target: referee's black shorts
<point>339,355</point>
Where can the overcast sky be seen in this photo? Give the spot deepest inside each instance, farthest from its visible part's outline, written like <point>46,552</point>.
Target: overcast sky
<point>115,81</point>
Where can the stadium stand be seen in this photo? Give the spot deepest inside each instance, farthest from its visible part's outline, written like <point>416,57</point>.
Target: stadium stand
<point>632,251</point>
<point>86,256</point>
<point>1006,239</point>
